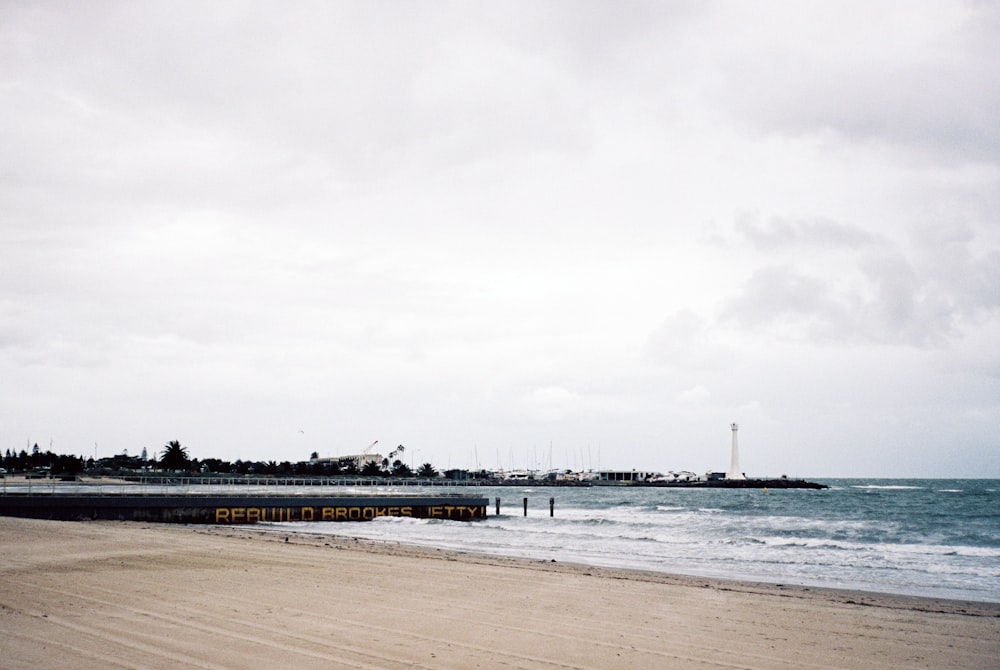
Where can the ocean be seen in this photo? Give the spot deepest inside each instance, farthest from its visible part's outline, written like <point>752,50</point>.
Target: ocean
<point>925,537</point>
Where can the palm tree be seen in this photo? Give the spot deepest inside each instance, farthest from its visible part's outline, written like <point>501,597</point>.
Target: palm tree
<point>372,469</point>
<point>174,457</point>
<point>427,470</point>
<point>401,469</point>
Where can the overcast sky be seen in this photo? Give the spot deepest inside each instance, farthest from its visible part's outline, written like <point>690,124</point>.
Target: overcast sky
<point>585,233</point>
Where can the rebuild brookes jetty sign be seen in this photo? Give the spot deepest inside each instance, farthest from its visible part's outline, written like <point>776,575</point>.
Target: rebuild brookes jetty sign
<point>226,509</point>
<point>464,512</point>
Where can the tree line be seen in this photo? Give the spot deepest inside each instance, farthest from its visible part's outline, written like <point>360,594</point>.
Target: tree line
<point>175,458</point>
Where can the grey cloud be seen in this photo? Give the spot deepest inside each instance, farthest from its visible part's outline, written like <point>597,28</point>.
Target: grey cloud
<point>935,93</point>
<point>15,331</point>
<point>903,307</point>
<point>789,303</point>
<point>895,306</point>
<point>984,281</point>
<point>205,105</point>
<point>673,339</point>
<point>779,232</point>
<point>960,263</point>
<point>925,293</point>
<point>686,341</point>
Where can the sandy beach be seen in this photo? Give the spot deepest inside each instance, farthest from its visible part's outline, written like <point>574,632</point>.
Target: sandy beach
<point>130,595</point>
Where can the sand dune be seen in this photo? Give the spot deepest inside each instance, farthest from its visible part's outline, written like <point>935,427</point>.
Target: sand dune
<point>129,595</point>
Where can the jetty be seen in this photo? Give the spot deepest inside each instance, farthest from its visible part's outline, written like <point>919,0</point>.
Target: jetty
<point>227,506</point>
<point>782,483</point>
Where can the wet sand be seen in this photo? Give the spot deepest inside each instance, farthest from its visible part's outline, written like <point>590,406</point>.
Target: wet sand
<point>131,595</point>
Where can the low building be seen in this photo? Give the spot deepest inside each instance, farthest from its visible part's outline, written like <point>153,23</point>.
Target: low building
<point>622,477</point>
<point>359,461</point>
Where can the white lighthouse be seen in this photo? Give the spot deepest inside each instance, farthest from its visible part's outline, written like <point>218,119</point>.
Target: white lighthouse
<point>734,471</point>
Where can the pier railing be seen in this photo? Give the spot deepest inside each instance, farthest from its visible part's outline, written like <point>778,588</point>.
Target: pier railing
<point>250,486</point>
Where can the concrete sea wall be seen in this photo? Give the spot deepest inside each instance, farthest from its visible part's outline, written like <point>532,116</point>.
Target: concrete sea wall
<point>223,509</point>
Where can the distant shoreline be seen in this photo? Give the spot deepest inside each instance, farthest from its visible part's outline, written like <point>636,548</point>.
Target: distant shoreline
<point>356,480</point>
<point>740,484</point>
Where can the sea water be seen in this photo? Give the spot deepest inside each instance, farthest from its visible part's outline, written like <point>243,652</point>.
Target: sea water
<point>936,537</point>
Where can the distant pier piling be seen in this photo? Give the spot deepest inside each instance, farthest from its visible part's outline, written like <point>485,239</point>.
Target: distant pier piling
<point>524,503</point>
